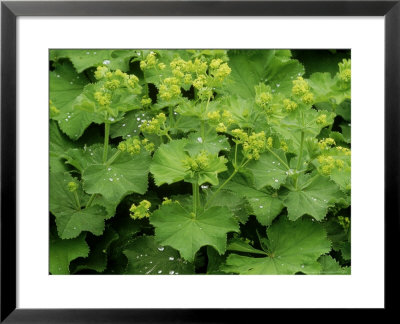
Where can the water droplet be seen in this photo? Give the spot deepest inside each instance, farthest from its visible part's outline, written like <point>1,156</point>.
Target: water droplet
<point>171,258</point>
<point>71,82</point>
<point>302,265</point>
<point>171,272</point>
<point>200,139</point>
<point>204,187</point>
<point>123,125</point>
<point>94,53</point>
<point>106,62</point>
<point>278,85</point>
<point>87,53</point>
<point>276,180</point>
<point>111,179</point>
<point>200,228</point>
<point>175,113</point>
<point>299,74</point>
<point>66,119</point>
<point>161,248</point>
<point>91,154</point>
<point>117,179</point>
<point>58,75</point>
<point>109,169</point>
<point>111,119</point>
<point>176,273</point>
<point>151,262</point>
<point>138,119</point>
<point>159,271</point>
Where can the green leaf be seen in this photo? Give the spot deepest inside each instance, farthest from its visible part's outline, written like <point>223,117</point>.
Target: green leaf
<point>293,247</point>
<point>271,169</point>
<point>241,246</point>
<point>84,59</point>
<point>145,256</point>
<point>58,145</point>
<point>331,267</point>
<point>224,198</point>
<point>313,197</point>
<point>167,166</point>
<point>65,86</point>
<point>265,205</point>
<point>250,67</point>
<point>211,142</point>
<point>179,229</point>
<point>326,89</point>
<point>97,259</point>
<point>62,252</point>
<point>129,125</point>
<point>70,220</point>
<point>128,174</point>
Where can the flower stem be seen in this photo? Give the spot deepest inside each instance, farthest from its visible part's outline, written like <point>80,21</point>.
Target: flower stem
<point>77,201</point>
<point>90,201</point>
<point>106,138</point>
<point>113,158</point>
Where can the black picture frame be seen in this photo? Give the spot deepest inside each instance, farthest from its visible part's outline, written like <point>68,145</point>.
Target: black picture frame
<point>10,10</point>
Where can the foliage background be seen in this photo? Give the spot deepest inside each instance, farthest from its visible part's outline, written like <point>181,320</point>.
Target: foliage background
<point>100,237</point>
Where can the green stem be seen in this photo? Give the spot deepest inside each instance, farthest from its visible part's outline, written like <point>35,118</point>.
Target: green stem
<point>106,138</point>
<point>169,137</point>
<point>301,151</point>
<point>113,158</point>
<point>196,194</point>
<point>278,158</point>
<point>221,186</point>
<point>89,203</point>
<point>78,203</point>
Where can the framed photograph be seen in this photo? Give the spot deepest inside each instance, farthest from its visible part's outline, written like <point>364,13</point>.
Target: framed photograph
<point>186,161</point>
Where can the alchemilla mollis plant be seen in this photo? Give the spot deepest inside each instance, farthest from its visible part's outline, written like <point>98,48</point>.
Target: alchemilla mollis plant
<point>200,162</point>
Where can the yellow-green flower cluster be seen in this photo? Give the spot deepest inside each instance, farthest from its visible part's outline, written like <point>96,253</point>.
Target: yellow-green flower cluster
<point>72,186</point>
<point>146,101</point>
<point>149,62</point>
<point>155,126</point>
<point>344,74</point>
<point>343,150</point>
<point>170,88</point>
<point>222,121</point>
<point>284,146</point>
<point>198,163</point>
<point>253,144</point>
<point>263,99</point>
<point>141,211</point>
<point>344,221</point>
<point>134,146</point>
<point>328,164</point>
<point>116,79</point>
<point>289,105</point>
<point>103,98</point>
<point>204,77</point>
<point>301,90</point>
<point>326,143</point>
<point>166,201</point>
<point>53,109</point>
<point>321,119</point>
<point>219,70</point>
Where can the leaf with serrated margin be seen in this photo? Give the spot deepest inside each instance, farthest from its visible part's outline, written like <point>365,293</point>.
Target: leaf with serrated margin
<point>147,257</point>
<point>127,174</point>
<point>292,247</point>
<point>178,228</point>
<point>70,220</point>
<point>313,197</point>
<point>97,259</point>
<point>271,169</point>
<point>62,252</point>
<point>331,267</point>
